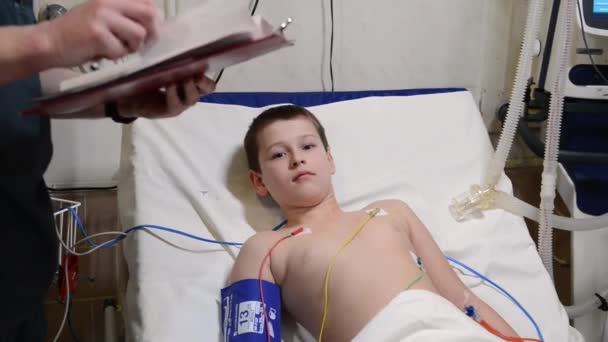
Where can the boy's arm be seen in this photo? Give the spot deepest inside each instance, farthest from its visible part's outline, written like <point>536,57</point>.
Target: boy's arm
<point>247,264</point>
<point>443,276</point>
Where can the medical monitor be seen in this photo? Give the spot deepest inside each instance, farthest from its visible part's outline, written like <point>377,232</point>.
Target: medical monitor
<point>595,16</point>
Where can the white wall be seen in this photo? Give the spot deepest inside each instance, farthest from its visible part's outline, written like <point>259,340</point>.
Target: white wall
<point>384,44</point>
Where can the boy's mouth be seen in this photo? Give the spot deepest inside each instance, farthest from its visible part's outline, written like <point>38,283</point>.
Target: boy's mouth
<point>302,174</point>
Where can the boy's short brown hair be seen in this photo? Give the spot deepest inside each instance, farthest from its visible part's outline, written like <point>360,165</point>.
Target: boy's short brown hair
<point>285,112</point>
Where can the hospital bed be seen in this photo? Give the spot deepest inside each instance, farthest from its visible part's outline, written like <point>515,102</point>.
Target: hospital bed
<point>422,146</point>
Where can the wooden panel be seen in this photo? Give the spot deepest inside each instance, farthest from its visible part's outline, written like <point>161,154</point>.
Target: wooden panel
<point>87,321</point>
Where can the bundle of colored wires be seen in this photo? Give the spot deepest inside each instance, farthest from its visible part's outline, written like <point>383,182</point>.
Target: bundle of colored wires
<point>122,235</point>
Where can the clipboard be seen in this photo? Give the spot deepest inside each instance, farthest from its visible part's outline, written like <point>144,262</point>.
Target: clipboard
<point>211,57</point>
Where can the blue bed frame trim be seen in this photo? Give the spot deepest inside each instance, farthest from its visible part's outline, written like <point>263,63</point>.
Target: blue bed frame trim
<point>308,99</point>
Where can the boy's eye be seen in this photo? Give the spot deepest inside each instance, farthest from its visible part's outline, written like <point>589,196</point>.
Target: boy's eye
<point>277,155</point>
<point>309,146</point>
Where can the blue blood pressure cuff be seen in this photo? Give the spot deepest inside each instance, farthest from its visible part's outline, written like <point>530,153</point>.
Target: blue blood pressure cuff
<point>242,316</point>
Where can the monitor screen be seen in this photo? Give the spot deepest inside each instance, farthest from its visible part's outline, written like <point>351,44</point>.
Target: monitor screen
<point>600,7</point>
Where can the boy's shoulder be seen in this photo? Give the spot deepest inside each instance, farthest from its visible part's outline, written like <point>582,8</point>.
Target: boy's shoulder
<point>391,206</point>
<point>264,238</point>
<point>396,211</point>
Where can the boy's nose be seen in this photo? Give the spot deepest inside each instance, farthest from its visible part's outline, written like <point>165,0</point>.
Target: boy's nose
<point>298,162</point>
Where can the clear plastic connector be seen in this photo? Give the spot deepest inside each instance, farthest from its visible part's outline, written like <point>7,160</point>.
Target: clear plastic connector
<point>470,204</point>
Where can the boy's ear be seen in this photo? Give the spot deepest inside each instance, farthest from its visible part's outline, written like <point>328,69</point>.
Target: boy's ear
<point>332,165</point>
<point>258,184</point>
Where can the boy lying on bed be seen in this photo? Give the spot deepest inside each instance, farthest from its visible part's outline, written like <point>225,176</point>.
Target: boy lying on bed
<point>290,160</point>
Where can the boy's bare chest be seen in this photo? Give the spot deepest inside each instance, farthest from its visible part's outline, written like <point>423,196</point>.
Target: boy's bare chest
<point>308,256</point>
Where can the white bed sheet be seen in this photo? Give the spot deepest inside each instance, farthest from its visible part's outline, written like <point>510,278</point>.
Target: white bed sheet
<point>189,173</point>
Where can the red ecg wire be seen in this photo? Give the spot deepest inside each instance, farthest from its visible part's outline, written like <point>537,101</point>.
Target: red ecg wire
<point>294,233</point>
<point>497,333</point>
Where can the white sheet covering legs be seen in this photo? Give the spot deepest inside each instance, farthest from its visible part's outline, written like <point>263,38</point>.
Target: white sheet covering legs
<point>423,316</point>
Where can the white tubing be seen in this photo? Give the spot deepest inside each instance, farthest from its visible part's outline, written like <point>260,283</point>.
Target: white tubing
<point>582,309</point>
<point>520,208</point>
<point>109,320</point>
<point>516,102</point>
<point>556,108</point>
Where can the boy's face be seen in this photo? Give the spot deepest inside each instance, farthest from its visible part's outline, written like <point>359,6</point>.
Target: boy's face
<point>295,168</point>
